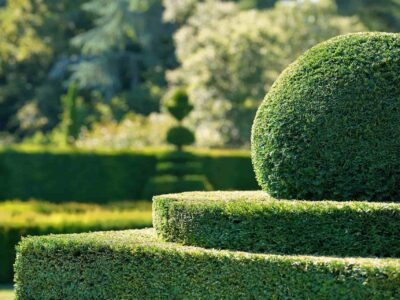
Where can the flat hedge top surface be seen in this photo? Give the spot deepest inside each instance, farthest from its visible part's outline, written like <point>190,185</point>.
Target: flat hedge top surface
<point>136,265</point>
<point>329,126</point>
<point>256,222</point>
<point>146,239</point>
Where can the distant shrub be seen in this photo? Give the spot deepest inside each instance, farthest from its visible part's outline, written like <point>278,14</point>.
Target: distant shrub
<point>329,127</point>
<point>180,136</point>
<point>179,107</point>
<point>178,104</point>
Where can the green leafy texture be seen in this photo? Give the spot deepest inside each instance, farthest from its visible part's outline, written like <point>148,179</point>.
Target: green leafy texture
<point>180,136</point>
<point>41,218</point>
<point>328,129</point>
<point>255,222</point>
<point>178,104</point>
<point>108,175</point>
<point>35,37</point>
<point>230,58</point>
<point>135,265</point>
<point>129,45</point>
<point>383,15</point>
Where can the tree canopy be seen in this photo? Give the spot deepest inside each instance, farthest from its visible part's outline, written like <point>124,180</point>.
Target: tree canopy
<point>234,57</point>
<point>125,55</point>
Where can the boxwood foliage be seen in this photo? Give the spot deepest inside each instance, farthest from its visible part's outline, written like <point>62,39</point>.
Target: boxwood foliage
<point>135,265</point>
<point>329,127</point>
<point>20,219</point>
<point>255,222</point>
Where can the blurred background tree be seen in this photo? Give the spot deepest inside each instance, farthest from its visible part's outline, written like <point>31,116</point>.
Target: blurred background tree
<point>125,55</point>
<point>229,60</point>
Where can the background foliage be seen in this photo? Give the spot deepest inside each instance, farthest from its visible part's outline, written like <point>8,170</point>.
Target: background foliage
<point>125,55</point>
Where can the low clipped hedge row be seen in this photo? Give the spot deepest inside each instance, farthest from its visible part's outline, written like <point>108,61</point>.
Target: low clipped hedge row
<point>18,219</point>
<point>101,176</point>
<point>136,265</point>
<point>256,222</point>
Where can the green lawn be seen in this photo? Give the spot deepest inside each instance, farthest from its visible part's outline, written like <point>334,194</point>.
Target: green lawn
<point>6,292</point>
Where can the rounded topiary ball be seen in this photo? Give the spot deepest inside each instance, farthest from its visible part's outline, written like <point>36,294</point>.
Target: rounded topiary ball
<point>330,126</point>
<point>180,136</point>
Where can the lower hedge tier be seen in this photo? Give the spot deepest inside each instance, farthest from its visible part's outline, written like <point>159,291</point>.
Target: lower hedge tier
<point>255,222</point>
<point>135,265</point>
<point>18,219</point>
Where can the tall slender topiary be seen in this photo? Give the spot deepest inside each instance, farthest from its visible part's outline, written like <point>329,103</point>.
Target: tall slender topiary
<point>179,107</point>
<point>329,127</point>
<point>178,171</point>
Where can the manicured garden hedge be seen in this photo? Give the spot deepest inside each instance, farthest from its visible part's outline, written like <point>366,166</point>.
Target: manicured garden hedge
<point>19,219</point>
<point>135,265</point>
<point>329,126</point>
<point>62,175</point>
<point>255,222</point>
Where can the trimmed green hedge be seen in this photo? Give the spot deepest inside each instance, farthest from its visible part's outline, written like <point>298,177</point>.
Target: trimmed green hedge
<point>255,222</point>
<point>19,219</point>
<point>99,177</point>
<point>135,265</point>
<point>329,126</point>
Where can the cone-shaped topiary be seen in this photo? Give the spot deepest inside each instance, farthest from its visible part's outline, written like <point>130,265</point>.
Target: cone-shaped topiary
<point>330,126</point>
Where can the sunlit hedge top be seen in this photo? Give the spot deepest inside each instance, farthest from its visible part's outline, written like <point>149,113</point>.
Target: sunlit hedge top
<point>330,126</point>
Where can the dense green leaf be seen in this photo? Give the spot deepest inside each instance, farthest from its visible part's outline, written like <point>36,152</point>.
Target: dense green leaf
<point>328,129</point>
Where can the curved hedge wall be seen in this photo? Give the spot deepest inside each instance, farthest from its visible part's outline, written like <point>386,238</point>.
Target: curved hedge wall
<point>255,222</point>
<point>137,265</point>
<point>329,127</point>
